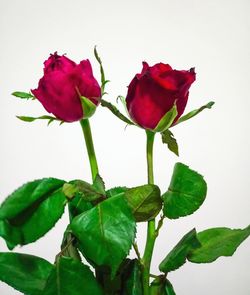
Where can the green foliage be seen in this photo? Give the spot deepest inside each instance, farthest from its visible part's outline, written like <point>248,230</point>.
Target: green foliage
<point>45,117</point>
<point>115,111</point>
<point>70,277</point>
<point>68,246</point>
<point>195,112</point>
<point>169,290</point>
<point>186,193</point>
<point>132,284</point>
<point>23,95</point>
<point>78,205</point>
<point>161,286</point>
<point>106,232</point>
<point>116,191</point>
<point>127,280</point>
<point>167,120</point>
<point>31,211</point>
<point>168,138</point>
<point>217,242</point>
<point>99,185</point>
<point>88,107</point>
<point>145,201</point>
<point>86,191</point>
<point>26,273</point>
<point>178,255</point>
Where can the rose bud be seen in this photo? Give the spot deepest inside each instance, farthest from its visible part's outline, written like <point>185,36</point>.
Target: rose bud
<point>63,84</point>
<point>155,92</point>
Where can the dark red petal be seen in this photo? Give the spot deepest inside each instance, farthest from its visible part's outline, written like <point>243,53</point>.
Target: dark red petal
<point>147,102</point>
<point>58,63</point>
<point>153,93</point>
<point>58,95</point>
<point>86,82</point>
<point>160,68</point>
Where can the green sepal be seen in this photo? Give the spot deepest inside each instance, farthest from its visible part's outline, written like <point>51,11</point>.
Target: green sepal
<point>194,112</point>
<point>45,117</point>
<point>103,79</point>
<point>167,120</point>
<point>186,192</point>
<point>115,111</point>
<point>71,277</point>
<point>178,255</point>
<point>31,211</point>
<point>106,232</point>
<point>26,273</point>
<point>23,95</point>
<point>217,242</point>
<point>168,138</point>
<point>88,107</point>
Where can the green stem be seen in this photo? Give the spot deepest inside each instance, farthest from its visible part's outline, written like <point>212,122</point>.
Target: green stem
<point>94,169</point>
<point>90,147</point>
<point>151,233</point>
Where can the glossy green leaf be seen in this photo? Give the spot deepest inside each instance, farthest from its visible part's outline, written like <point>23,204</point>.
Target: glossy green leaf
<point>31,211</point>
<point>169,288</point>
<point>115,111</point>
<point>156,289</point>
<point>88,107</point>
<point>157,286</point>
<point>167,120</point>
<point>145,201</point>
<point>117,284</point>
<point>23,95</point>
<point>70,277</point>
<point>168,138</point>
<point>78,205</point>
<point>217,242</point>
<point>116,191</point>
<point>69,245</point>
<point>132,280</point>
<point>70,190</point>
<point>106,232</point>
<point>186,193</point>
<point>88,192</point>
<point>194,112</point>
<point>32,119</point>
<point>25,273</point>
<point>178,255</point>
<point>161,286</point>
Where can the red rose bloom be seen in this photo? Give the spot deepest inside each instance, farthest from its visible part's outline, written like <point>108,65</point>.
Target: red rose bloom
<point>63,83</point>
<point>154,92</point>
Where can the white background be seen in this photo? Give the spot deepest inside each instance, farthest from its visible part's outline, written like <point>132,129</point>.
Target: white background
<point>211,35</point>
